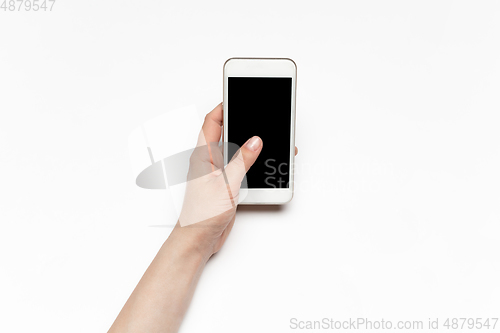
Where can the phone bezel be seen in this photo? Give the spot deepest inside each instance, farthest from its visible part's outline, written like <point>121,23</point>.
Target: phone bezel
<point>263,67</point>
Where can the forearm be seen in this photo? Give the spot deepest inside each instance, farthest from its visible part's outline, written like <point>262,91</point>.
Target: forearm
<point>161,298</point>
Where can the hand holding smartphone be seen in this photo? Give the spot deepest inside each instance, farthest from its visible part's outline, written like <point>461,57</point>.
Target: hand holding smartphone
<point>259,99</point>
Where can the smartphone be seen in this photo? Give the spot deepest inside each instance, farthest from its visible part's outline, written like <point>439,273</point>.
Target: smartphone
<point>259,99</point>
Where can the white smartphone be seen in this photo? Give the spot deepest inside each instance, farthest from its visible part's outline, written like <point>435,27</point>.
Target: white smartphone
<point>259,99</point>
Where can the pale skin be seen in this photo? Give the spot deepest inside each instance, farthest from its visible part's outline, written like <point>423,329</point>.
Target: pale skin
<point>162,296</point>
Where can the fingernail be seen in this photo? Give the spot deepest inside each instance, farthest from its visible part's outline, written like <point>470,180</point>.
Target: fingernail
<point>254,143</point>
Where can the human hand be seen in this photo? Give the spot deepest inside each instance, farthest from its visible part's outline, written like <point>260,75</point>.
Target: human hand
<point>212,191</point>
<point>162,296</point>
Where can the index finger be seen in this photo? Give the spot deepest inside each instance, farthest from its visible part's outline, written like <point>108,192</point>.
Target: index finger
<point>211,130</point>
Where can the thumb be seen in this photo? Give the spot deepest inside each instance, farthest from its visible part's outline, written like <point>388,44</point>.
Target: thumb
<point>243,159</point>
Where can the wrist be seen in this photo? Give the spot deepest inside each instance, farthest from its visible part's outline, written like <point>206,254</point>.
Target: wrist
<point>190,243</point>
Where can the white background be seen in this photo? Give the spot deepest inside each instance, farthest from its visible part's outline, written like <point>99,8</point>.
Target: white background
<point>397,206</point>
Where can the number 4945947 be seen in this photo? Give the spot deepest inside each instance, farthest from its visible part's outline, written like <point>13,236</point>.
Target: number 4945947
<point>27,5</point>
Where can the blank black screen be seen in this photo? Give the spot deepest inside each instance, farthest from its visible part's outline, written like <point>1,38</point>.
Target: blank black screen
<point>262,106</point>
